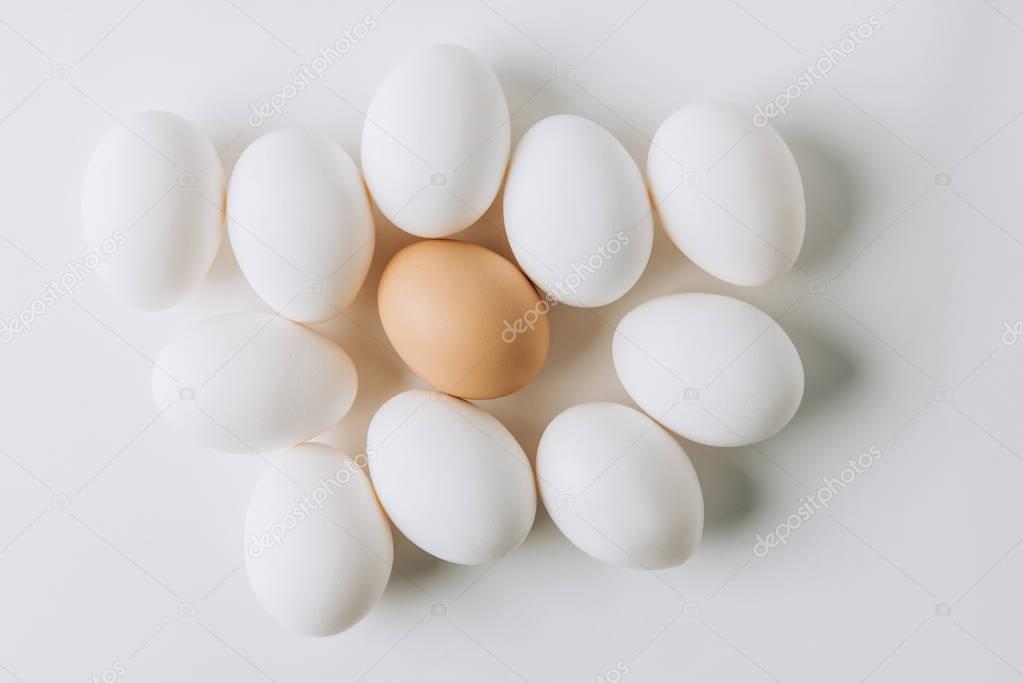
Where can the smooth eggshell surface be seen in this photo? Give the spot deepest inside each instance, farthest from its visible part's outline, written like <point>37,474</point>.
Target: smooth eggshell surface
<point>463,318</point>
<point>153,196</point>
<point>318,547</point>
<point>451,477</point>
<point>577,212</point>
<point>300,224</point>
<point>728,192</point>
<point>711,368</point>
<point>252,382</point>
<point>436,140</point>
<point>620,487</point>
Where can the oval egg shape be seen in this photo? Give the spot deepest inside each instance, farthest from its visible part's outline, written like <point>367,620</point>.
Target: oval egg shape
<point>577,212</point>
<point>300,224</point>
<point>620,487</point>
<point>728,193</point>
<point>711,368</point>
<point>451,477</point>
<point>463,318</point>
<point>153,203</point>
<point>436,140</point>
<point>252,382</point>
<point>318,549</point>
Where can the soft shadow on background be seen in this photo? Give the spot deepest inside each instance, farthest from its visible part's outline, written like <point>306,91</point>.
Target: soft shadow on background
<point>832,200</point>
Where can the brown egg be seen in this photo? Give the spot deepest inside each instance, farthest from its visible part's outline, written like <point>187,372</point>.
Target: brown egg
<point>464,318</point>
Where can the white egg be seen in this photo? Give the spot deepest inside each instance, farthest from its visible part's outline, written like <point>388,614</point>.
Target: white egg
<point>252,382</point>
<point>436,140</point>
<point>620,487</point>
<point>451,477</point>
<point>577,212</point>
<point>153,205</point>
<point>318,548</point>
<point>714,369</point>
<point>300,224</point>
<point>728,193</point>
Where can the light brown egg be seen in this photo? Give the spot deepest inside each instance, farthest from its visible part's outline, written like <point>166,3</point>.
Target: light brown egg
<point>463,318</point>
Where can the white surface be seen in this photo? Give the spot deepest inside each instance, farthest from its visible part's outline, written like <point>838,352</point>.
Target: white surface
<point>113,525</point>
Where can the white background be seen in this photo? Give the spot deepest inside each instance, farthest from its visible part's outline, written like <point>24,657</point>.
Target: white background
<point>120,542</point>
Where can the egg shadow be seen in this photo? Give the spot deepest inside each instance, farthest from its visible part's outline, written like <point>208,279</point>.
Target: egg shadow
<point>411,562</point>
<point>729,493</point>
<point>578,336</point>
<point>225,270</point>
<point>832,194</point>
<point>829,367</point>
<point>488,230</point>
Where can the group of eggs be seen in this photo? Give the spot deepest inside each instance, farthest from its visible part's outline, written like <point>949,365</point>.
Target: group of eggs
<point>436,149</point>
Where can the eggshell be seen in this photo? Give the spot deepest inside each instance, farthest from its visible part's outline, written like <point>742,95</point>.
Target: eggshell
<point>436,140</point>
<point>620,487</point>
<point>318,547</point>
<point>728,193</point>
<point>450,477</point>
<point>252,382</point>
<point>300,224</point>
<point>712,368</point>
<point>155,186</point>
<point>577,212</point>
<point>463,318</point>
